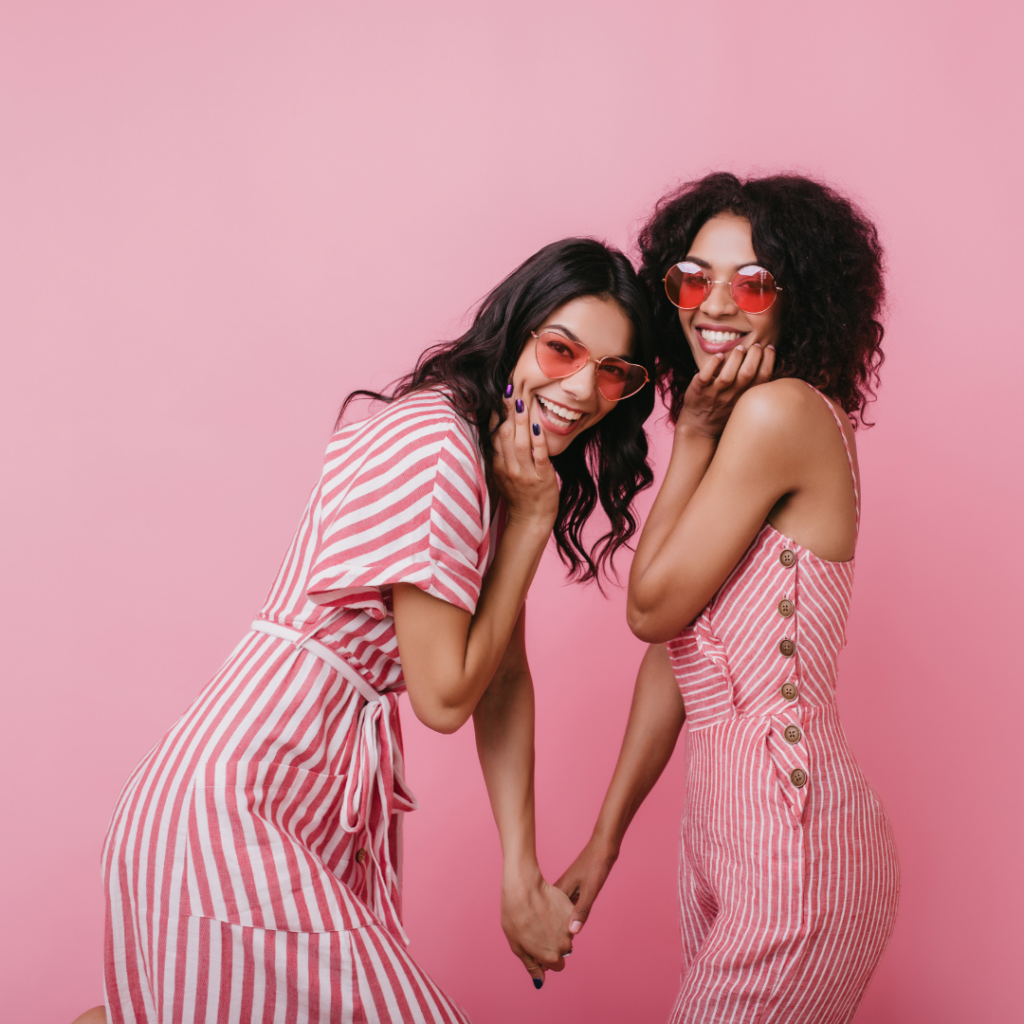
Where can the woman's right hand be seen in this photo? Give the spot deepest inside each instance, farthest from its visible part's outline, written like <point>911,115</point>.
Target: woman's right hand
<point>522,468</point>
<point>716,388</point>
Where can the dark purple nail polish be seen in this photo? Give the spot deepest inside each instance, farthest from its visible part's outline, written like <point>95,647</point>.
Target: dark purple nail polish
<point>536,430</point>
<point>519,405</point>
<point>508,391</point>
<point>537,983</point>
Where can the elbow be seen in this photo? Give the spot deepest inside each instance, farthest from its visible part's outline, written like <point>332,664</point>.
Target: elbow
<point>438,717</point>
<point>649,626</point>
<point>650,631</point>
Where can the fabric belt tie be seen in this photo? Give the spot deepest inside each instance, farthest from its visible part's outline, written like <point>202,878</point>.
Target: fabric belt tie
<point>375,789</point>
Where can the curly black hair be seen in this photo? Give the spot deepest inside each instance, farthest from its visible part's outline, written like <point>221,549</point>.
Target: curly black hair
<point>607,462</point>
<point>824,253</point>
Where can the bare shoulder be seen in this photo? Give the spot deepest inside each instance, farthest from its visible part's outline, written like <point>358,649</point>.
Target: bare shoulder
<point>787,418</point>
<point>776,409</point>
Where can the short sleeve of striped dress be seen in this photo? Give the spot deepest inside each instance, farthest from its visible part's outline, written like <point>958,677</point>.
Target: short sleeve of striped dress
<point>403,500</point>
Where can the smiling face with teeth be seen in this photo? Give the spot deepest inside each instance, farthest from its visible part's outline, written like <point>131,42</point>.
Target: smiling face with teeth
<point>721,247</point>
<point>565,408</point>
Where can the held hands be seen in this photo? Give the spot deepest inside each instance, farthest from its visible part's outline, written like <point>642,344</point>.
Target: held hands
<point>584,879</point>
<point>715,389</point>
<point>535,919</point>
<point>522,469</point>
<point>541,920</point>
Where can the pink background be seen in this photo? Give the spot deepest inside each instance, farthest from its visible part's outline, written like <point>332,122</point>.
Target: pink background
<point>215,219</point>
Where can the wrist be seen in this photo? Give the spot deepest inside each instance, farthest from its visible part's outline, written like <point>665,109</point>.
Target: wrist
<point>691,430</point>
<point>605,845</point>
<point>521,874</point>
<point>536,525</point>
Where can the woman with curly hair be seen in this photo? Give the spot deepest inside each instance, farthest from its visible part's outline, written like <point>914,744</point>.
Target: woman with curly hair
<point>741,583</point>
<point>252,866</point>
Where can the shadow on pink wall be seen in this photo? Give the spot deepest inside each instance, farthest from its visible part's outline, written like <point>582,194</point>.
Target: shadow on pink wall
<point>217,220</point>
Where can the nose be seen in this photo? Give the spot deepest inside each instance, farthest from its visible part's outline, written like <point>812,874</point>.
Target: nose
<point>582,384</point>
<point>719,301</point>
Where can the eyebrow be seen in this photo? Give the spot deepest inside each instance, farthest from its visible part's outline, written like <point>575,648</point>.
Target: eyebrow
<point>572,337</point>
<point>707,266</point>
<point>565,331</point>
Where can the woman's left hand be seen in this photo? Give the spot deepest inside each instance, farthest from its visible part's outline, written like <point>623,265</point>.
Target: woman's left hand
<point>584,879</point>
<point>535,919</point>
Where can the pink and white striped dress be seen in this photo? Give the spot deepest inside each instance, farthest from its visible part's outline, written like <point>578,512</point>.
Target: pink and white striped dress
<point>253,861</point>
<point>789,881</point>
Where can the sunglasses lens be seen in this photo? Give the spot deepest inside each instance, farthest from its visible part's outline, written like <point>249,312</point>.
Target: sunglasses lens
<point>617,379</point>
<point>686,285</point>
<point>559,357</point>
<point>753,289</point>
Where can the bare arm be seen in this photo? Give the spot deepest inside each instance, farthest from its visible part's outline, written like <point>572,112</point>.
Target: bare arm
<point>448,656</point>
<point>715,498</point>
<point>534,914</point>
<point>780,459</point>
<point>655,719</point>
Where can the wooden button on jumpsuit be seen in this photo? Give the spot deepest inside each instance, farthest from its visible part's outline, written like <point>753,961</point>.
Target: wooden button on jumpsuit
<point>789,880</point>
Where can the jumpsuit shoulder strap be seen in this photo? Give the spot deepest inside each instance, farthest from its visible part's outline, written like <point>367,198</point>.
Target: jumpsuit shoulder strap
<point>846,445</point>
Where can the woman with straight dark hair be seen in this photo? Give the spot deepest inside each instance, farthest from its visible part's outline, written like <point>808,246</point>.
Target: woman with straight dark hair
<point>742,580</point>
<point>253,862</point>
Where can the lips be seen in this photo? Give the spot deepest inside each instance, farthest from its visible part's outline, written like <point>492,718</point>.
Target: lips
<point>559,419</point>
<point>714,339</point>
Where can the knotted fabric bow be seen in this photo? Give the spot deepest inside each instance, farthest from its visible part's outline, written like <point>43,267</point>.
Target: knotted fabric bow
<point>375,787</point>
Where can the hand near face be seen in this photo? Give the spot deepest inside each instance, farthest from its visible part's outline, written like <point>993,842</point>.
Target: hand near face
<point>717,386</point>
<point>522,467</point>
<point>535,920</point>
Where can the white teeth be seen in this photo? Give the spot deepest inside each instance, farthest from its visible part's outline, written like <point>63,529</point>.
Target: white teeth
<point>719,337</point>
<point>559,410</point>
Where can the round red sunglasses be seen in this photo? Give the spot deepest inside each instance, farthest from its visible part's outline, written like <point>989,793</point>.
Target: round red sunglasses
<point>559,356</point>
<point>753,288</point>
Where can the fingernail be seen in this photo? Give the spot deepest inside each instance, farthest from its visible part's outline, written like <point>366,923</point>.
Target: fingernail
<point>508,391</point>
<point>576,927</point>
<point>519,405</point>
<point>538,983</point>
<point>741,348</point>
<point>770,348</point>
<point>536,428</point>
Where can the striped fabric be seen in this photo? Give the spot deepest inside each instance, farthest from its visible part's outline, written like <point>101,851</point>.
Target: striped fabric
<point>789,880</point>
<point>253,861</point>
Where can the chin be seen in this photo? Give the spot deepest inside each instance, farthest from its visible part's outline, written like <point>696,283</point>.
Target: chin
<point>557,443</point>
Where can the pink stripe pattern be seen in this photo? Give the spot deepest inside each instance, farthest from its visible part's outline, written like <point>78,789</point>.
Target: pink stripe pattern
<point>789,880</point>
<point>253,862</point>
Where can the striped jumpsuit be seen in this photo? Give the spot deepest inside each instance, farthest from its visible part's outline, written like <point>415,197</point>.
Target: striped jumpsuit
<point>252,866</point>
<point>788,880</point>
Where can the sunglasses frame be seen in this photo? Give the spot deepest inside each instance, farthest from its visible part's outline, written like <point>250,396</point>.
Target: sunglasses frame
<point>591,359</point>
<point>711,285</point>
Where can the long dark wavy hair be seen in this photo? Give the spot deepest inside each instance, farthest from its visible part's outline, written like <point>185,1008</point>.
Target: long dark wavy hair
<point>824,253</point>
<point>607,462</point>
